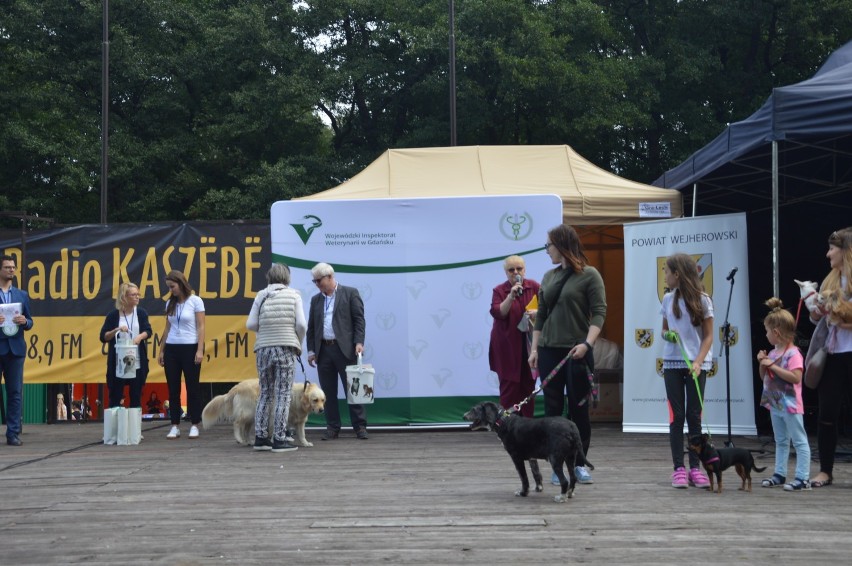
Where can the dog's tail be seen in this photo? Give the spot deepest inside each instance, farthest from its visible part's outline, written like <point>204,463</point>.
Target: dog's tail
<point>219,408</point>
<point>756,469</point>
<point>580,460</point>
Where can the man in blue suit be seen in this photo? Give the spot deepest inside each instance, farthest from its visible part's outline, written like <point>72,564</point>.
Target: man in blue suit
<point>13,349</point>
<point>335,338</point>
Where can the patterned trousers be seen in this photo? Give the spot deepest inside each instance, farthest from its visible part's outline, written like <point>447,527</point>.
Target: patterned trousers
<point>275,372</point>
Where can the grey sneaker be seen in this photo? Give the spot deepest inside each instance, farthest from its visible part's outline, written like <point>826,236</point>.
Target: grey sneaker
<point>282,446</point>
<point>262,443</point>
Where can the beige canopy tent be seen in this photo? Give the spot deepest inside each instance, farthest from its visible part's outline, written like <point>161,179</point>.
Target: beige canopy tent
<point>594,201</point>
<point>590,195</point>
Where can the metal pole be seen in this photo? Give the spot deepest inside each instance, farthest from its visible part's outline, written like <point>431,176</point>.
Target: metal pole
<point>105,113</point>
<point>452,74</point>
<point>694,197</point>
<point>776,276</point>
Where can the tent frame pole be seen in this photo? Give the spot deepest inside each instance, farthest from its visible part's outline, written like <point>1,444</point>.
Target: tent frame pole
<point>694,197</point>
<point>775,267</point>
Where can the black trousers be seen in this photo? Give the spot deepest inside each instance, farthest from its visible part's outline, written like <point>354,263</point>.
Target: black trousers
<point>573,377</point>
<point>331,367</point>
<point>177,359</point>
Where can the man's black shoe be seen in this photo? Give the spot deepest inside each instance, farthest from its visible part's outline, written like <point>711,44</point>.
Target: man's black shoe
<point>330,434</point>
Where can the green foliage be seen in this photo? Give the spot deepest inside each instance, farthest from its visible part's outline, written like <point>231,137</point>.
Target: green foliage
<point>218,108</point>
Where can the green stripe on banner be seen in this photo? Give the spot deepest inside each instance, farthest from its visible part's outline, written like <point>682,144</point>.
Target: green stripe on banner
<point>415,411</point>
<point>343,268</point>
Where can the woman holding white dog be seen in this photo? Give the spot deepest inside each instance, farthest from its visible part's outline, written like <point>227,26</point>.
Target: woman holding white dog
<point>571,313</point>
<point>836,381</point>
<point>278,318</point>
<point>127,322</point>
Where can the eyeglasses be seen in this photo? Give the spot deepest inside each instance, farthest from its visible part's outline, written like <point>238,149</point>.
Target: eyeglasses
<point>514,269</point>
<point>547,246</point>
<point>317,281</point>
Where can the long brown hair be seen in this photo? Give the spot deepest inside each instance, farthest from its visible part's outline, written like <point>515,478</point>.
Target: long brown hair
<point>185,290</point>
<point>843,240</point>
<point>689,287</point>
<point>568,243</point>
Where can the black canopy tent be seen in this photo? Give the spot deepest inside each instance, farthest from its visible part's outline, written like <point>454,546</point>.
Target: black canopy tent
<point>789,166</point>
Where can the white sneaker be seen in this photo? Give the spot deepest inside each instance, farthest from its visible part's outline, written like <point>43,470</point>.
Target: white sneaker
<point>174,433</point>
<point>193,432</point>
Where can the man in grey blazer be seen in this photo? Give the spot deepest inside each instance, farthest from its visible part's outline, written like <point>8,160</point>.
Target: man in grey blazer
<point>335,337</point>
<point>13,349</point>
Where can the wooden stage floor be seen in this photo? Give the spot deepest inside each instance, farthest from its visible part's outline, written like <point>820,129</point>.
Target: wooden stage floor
<point>413,497</point>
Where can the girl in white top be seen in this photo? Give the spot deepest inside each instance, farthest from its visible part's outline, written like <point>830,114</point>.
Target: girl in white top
<point>687,311</point>
<point>183,351</point>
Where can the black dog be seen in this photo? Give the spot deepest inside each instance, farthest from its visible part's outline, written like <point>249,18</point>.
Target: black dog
<point>716,460</point>
<point>555,439</point>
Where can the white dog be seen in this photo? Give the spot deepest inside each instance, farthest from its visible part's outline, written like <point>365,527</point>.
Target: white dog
<point>809,291</point>
<point>238,406</point>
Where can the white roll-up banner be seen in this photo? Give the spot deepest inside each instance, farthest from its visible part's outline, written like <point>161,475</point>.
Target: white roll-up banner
<point>719,246</point>
<point>425,268</point>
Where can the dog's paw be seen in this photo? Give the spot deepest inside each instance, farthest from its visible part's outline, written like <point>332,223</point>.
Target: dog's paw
<point>305,443</point>
<point>561,498</point>
<point>521,493</point>
<point>539,488</point>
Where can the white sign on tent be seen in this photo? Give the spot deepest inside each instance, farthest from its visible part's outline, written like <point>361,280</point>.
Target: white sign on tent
<point>425,268</point>
<point>719,244</point>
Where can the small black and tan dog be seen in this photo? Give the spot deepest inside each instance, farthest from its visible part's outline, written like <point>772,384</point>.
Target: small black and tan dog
<point>716,460</point>
<point>554,439</point>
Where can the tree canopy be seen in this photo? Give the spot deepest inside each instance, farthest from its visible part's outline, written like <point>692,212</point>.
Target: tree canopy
<point>218,108</point>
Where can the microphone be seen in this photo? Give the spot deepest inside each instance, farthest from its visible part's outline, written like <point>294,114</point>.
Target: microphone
<point>731,274</point>
<point>519,292</point>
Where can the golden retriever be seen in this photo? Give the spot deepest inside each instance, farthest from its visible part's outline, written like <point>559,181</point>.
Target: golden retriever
<point>238,406</point>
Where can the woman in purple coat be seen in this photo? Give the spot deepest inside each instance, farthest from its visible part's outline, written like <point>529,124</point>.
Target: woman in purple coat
<point>508,351</point>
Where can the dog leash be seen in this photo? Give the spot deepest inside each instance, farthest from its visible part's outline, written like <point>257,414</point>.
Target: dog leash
<point>517,406</point>
<point>304,373</point>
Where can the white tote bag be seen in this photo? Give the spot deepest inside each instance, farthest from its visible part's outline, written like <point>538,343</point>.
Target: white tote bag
<point>126,357</point>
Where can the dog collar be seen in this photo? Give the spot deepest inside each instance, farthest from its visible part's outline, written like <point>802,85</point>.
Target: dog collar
<point>711,460</point>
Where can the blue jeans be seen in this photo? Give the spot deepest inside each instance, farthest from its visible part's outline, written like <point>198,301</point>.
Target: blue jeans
<point>12,369</point>
<point>789,427</point>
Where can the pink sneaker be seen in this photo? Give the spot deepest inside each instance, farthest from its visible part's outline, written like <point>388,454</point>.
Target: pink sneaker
<point>679,480</point>
<point>698,478</point>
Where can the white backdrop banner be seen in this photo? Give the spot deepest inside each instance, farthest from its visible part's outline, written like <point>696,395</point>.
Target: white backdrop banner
<point>718,244</point>
<point>425,268</point>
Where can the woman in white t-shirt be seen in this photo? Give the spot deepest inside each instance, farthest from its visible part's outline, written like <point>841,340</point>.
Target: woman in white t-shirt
<point>182,351</point>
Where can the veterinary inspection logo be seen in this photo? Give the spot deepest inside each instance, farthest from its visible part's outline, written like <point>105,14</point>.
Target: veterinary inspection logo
<point>516,226</point>
<point>705,273</point>
<point>471,290</point>
<point>387,380</point>
<point>386,320</point>
<point>472,350</point>
<point>305,229</point>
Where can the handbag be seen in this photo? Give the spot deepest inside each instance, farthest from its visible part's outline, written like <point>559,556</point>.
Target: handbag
<point>817,355</point>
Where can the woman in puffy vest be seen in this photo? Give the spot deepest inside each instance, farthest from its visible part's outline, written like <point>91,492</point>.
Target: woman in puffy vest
<point>278,318</point>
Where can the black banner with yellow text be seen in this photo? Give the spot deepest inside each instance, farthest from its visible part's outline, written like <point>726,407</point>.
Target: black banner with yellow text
<point>72,276</point>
